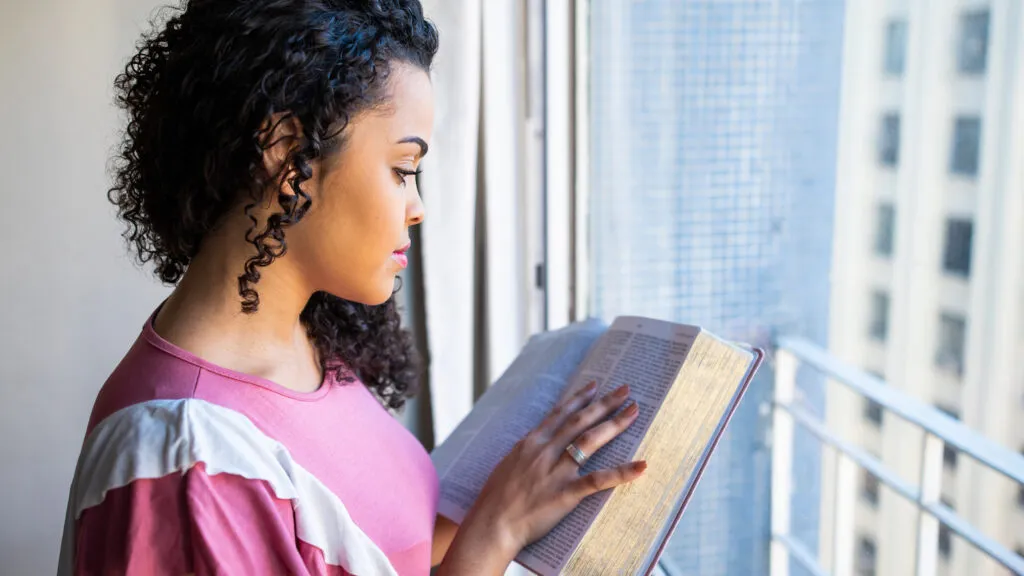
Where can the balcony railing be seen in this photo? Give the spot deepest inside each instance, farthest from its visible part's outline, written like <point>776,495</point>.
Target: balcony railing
<point>939,430</point>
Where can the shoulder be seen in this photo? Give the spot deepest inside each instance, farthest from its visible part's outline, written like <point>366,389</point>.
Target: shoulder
<point>189,466</point>
<point>155,438</point>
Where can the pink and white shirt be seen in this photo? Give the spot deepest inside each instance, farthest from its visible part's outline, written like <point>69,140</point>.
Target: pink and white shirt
<point>191,468</point>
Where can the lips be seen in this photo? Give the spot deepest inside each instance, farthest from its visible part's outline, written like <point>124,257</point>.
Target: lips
<point>400,256</point>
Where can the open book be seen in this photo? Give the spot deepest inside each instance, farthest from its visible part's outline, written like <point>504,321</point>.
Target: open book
<point>687,384</point>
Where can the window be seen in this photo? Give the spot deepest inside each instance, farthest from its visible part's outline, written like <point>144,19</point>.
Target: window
<point>956,257</point>
<point>949,456</point>
<point>889,140</point>
<point>683,103</point>
<point>895,47</point>
<point>945,534</point>
<point>966,143</point>
<point>945,541</point>
<point>884,229</point>
<point>867,553</point>
<point>972,49</point>
<point>949,453</point>
<point>879,328</point>
<point>873,411</point>
<point>950,353</point>
<point>869,488</point>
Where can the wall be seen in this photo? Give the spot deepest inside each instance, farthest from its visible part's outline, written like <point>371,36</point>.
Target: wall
<point>71,301</point>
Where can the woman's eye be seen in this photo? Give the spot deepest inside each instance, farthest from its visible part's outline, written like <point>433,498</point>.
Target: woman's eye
<point>404,174</point>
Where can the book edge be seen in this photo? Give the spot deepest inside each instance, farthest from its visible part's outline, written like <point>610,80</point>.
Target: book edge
<point>709,450</point>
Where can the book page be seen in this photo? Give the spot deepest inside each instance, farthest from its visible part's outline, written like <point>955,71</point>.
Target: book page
<point>633,525</point>
<point>513,406</point>
<point>646,354</point>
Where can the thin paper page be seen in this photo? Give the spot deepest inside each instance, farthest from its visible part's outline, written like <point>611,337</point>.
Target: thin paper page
<point>511,408</point>
<point>646,354</point>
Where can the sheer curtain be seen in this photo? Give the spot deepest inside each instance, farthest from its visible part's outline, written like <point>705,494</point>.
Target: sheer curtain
<point>474,288</point>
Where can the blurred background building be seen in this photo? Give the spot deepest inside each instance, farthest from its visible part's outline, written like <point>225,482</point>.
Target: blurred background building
<point>928,270</point>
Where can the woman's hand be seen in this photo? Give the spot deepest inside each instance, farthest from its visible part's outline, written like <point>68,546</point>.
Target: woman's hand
<point>538,483</point>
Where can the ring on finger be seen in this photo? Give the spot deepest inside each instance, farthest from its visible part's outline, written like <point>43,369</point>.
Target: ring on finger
<point>578,456</point>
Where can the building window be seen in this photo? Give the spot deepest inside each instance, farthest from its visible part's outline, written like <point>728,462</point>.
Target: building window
<point>972,49</point>
<point>869,488</point>
<point>949,456</point>
<point>895,47</point>
<point>879,328</point>
<point>952,335</point>
<point>873,411</point>
<point>966,144</point>
<point>945,541</point>
<point>956,257</point>
<point>867,554</point>
<point>884,231</point>
<point>949,453</point>
<point>889,140</point>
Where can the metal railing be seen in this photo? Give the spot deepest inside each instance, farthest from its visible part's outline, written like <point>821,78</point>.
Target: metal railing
<point>939,430</point>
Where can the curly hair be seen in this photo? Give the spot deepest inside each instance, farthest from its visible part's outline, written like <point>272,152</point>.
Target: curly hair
<point>204,93</point>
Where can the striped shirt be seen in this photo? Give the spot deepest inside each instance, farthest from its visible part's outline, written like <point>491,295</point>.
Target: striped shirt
<point>188,467</point>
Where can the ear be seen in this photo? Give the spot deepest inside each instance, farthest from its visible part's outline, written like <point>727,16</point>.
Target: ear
<point>281,133</point>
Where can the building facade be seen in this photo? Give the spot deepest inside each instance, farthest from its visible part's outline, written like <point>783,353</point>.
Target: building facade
<point>928,277</point>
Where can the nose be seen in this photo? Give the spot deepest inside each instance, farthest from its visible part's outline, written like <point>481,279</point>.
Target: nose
<point>414,212</point>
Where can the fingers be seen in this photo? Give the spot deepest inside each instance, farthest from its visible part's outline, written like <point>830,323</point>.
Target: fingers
<point>566,408</point>
<point>605,479</point>
<point>591,440</point>
<point>581,420</point>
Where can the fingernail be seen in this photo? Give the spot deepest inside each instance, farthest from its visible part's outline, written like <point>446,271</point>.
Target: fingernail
<point>632,410</point>
<point>622,391</point>
<point>591,386</point>
<point>640,466</point>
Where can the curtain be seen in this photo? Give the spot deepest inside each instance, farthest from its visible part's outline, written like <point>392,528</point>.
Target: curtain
<point>472,263</point>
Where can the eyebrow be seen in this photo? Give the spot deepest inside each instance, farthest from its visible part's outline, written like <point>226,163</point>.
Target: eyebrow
<point>416,140</point>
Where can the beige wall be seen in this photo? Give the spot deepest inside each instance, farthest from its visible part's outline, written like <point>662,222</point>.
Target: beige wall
<point>70,299</point>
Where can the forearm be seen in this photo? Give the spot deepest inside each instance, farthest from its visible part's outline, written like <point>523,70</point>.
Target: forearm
<point>478,548</point>
<point>444,534</point>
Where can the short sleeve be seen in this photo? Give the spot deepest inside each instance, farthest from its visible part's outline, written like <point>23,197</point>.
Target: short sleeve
<point>191,523</point>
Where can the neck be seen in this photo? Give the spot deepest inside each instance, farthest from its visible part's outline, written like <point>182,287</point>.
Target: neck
<point>204,316</point>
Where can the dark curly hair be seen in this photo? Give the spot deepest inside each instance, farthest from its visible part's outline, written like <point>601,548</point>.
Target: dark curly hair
<point>203,95</point>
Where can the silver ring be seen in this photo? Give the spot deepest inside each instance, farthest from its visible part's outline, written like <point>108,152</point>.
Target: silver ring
<point>578,456</point>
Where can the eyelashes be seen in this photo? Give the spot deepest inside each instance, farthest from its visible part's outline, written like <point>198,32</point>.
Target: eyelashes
<point>404,174</point>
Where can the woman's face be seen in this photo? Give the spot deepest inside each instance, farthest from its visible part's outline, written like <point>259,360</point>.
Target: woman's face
<point>353,240</point>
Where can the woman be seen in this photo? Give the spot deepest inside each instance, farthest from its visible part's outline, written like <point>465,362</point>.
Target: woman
<point>268,172</point>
